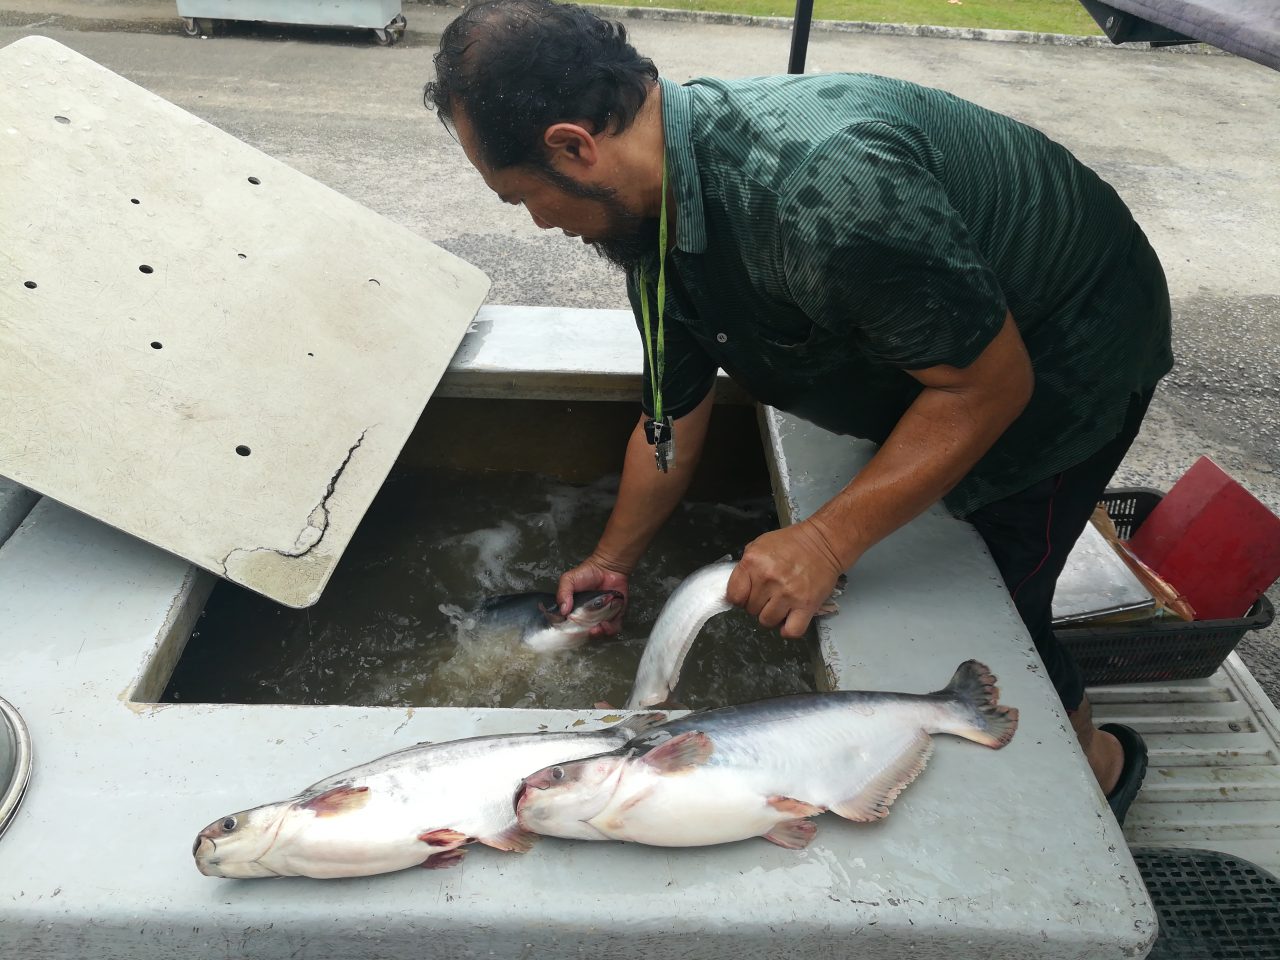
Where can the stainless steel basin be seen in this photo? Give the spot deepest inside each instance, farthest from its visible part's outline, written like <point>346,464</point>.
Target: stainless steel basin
<point>15,762</point>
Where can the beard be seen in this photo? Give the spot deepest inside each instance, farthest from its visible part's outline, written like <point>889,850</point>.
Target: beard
<point>628,239</point>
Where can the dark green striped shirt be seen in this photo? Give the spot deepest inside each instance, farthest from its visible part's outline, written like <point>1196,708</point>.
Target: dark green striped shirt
<point>836,231</point>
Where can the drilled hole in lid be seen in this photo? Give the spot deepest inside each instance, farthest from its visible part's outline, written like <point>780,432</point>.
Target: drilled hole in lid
<point>156,345</point>
<point>310,354</point>
<point>243,450</point>
<point>147,268</point>
<point>374,282</point>
<point>134,200</point>
<point>255,181</point>
<point>243,256</point>
<point>30,284</point>
<point>62,119</point>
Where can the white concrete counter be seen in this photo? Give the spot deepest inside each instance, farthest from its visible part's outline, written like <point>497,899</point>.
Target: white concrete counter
<point>990,854</point>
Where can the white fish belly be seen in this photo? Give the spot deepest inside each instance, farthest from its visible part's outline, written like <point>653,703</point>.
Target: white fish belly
<point>693,809</point>
<point>378,839</point>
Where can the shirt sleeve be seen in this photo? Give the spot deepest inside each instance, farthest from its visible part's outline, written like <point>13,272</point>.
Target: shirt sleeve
<point>688,373</point>
<point>873,248</point>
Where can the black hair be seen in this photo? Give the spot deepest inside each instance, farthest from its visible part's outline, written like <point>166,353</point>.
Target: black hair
<point>516,67</point>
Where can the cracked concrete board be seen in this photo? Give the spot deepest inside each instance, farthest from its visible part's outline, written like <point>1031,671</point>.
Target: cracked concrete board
<point>200,345</point>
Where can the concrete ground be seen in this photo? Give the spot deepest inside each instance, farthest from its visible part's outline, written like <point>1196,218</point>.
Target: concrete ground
<point>1189,141</point>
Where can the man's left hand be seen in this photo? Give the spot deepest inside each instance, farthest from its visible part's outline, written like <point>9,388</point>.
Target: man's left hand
<point>784,577</point>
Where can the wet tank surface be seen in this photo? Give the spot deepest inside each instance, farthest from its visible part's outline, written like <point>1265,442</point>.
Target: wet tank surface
<point>496,497</point>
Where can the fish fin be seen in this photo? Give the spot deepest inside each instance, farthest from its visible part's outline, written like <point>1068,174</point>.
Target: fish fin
<point>552,614</point>
<point>872,802</point>
<point>792,834</point>
<point>338,800</point>
<point>446,858</point>
<point>680,754</point>
<point>443,838</point>
<point>797,808</point>
<point>978,716</point>
<point>638,723</point>
<point>513,840</point>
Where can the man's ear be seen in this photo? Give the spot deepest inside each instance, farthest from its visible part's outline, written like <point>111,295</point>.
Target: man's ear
<point>571,143</point>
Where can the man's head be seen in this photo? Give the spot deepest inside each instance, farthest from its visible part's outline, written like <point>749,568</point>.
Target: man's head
<point>538,93</point>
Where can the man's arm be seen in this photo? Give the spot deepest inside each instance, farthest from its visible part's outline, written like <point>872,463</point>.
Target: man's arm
<point>785,575</point>
<point>646,498</point>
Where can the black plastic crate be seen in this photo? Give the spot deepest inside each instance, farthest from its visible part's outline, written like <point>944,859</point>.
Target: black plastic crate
<point>1153,652</point>
<point>1211,906</point>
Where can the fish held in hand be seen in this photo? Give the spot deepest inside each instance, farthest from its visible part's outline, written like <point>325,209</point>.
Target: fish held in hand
<point>763,768</point>
<point>534,619</point>
<point>419,805</point>
<point>699,597</point>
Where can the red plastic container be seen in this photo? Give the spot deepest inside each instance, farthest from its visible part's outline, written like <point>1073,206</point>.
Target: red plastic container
<point>1213,541</point>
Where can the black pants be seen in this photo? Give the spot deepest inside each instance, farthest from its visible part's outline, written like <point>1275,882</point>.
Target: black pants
<point>1031,533</point>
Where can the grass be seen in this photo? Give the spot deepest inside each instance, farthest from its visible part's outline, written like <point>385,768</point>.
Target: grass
<point>1041,16</point>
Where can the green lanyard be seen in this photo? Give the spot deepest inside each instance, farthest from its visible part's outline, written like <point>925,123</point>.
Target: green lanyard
<point>656,368</point>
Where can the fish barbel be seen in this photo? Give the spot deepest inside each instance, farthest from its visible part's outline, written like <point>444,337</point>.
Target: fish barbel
<point>763,768</point>
<point>534,619</point>
<point>419,805</point>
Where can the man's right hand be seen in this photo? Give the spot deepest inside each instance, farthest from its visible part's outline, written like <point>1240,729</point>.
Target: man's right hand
<point>646,498</point>
<point>592,574</point>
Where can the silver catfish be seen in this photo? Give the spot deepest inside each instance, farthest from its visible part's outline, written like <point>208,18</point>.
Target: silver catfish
<point>534,620</point>
<point>419,805</point>
<point>699,597</point>
<point>763,768</point>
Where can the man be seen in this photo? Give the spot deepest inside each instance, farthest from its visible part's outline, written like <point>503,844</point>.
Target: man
<point>883,259</point>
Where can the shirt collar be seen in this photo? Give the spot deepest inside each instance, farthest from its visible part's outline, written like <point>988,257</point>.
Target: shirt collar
<point>682,167</point>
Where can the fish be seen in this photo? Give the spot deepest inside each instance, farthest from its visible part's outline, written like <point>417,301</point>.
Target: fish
<point>534,620</point>
<point>419,805</point>
<point>697,599</point>
<point>763,768</point>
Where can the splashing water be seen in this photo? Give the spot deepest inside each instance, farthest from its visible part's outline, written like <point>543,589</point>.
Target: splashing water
<point>394,627</point>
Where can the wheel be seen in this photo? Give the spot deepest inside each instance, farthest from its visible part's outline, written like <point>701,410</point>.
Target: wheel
<point>385,38</point>
<point>190,27</point>
<point>206,26</point>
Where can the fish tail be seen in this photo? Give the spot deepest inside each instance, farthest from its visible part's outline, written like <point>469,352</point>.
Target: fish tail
<point>978,715</point>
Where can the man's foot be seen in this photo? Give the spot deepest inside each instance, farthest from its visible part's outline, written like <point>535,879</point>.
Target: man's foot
<point>1101,749</point>
<point>1132,772</point>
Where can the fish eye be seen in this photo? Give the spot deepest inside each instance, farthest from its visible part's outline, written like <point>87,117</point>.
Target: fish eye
<point>229,824</point>
<point>557,773</point>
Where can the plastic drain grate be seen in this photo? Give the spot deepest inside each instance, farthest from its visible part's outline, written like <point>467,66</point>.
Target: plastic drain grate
<point>1211,906</point>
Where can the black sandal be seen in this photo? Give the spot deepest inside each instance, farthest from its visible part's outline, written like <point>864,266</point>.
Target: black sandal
<point>1133,771</point>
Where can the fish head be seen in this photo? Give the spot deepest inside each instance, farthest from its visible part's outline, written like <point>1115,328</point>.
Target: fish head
<point>599,606</point>
<point>559,800</point>
<point>235,846</point>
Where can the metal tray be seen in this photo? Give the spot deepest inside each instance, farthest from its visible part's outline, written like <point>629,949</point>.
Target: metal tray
<point>1096,583</point>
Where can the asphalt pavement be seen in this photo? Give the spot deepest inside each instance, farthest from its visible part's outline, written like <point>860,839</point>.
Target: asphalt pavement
<point>1190,141</point>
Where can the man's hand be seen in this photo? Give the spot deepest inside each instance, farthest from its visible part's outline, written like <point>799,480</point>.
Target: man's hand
<point>592,574</point>
<point>785,576</point>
